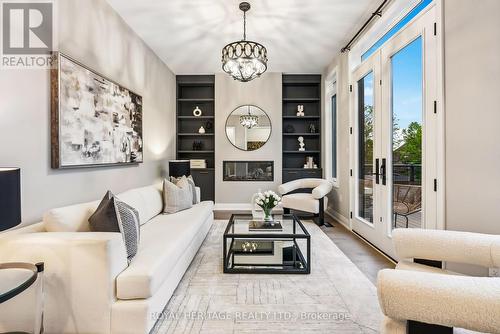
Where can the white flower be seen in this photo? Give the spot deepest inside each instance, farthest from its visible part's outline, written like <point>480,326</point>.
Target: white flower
<point>267,200</point>
<point>275,202</point>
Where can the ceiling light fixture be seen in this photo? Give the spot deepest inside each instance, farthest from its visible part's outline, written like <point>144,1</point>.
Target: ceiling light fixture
<point>249,121</point>
<point>244,60</point>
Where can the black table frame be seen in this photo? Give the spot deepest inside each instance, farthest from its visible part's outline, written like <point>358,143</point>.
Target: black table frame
<point>267,268</point>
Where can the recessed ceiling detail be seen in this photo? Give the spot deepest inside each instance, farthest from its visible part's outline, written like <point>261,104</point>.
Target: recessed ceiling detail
<point>302,36</point>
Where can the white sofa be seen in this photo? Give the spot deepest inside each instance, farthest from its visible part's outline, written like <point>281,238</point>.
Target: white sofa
<point>431,295</point>
<point>89,288</point>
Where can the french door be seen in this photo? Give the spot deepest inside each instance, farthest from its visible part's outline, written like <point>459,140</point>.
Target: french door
<point>395,135</point>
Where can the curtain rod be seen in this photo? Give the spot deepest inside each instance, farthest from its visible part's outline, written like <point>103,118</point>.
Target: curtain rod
<point>378,13</point>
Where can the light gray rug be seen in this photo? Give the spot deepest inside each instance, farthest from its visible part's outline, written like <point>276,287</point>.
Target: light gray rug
<point>335,298</point>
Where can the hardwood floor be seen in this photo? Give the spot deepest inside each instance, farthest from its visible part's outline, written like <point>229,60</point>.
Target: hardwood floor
<point>364,256</point>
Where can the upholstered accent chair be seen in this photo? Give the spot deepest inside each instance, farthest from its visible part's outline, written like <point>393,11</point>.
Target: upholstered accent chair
<point>419,296</point>
<point>306,195</point>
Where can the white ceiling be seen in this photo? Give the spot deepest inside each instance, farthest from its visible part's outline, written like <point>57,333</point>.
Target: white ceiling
<point>301,36</point>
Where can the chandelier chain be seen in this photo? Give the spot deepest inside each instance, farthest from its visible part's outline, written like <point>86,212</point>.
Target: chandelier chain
<point>244,25</point>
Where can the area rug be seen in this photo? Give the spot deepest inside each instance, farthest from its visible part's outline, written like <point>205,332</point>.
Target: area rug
<point>335,298</point>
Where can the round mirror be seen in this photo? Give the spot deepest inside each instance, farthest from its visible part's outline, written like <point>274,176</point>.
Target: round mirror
<point>248,128</point>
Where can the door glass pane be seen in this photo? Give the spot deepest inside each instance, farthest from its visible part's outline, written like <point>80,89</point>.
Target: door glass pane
<point>334,136</point>
<point>365,147</point>
<point>407,97</point>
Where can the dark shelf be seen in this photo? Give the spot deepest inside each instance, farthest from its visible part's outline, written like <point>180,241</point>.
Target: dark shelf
<point>302,89</point>
<point>195,100</point>
<point>196,84</point>
<point>300,168</point>
<point>301,152</point>
<point>195,134</point>
<point>301,99</point>
<point>301,117</point>
<point>195,117</point>
<point>301,134</point>
<point>193,91</point>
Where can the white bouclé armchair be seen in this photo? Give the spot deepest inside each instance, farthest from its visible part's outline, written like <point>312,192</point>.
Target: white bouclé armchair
<point>307,195</point>
<point>421,297</point>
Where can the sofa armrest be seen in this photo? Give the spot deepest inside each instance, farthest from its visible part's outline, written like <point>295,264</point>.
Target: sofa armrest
<point>198,194</point>
<point>79,276</point>
<point>452,246</point>
<point>449,300</point>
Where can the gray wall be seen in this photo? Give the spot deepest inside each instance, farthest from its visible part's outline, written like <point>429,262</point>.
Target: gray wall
<point>338,199</point>
<point>472,72</point>
<point>91,32</point>
<point>265,93</point>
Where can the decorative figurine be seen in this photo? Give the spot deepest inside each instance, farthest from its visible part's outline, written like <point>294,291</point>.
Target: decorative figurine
<point>201,130</point>
<point>208,126</point>
<point>197,145</point>
<point>197,112</point>
<point>300,110</point>
<point>312,128</point>
<point>301,144</point>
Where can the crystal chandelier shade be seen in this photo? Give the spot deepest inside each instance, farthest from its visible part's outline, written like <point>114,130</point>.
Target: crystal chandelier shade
<point>249,121</point>
<point>244,60</point>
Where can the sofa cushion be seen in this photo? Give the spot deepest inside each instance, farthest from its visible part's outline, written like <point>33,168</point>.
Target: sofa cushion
<point>147,200</point>
<point>73,218</point>
<point>163,241</point>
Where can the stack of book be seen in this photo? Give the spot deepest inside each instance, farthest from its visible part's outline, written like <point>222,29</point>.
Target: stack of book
<point>198,163</point>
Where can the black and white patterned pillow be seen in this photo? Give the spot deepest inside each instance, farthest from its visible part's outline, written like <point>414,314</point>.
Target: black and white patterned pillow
<point>113,215</point>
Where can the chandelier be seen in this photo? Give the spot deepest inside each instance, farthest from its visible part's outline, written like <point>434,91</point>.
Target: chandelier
<point>244,60</point>
<point>249,121</point>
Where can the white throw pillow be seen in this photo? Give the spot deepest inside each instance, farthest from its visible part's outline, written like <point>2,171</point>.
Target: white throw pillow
<point>177,197</point>
<point>191,183</point>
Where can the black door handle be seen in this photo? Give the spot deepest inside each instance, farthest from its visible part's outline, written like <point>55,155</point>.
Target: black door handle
<point>383,171</point>
<point>377,167</point>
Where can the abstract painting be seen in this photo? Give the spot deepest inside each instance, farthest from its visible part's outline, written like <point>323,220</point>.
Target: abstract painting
<point>95,121</point>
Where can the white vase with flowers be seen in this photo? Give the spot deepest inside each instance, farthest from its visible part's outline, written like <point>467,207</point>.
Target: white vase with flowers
<point>267,200</point>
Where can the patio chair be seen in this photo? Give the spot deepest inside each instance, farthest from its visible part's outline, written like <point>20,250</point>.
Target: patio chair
<point>407,200</point>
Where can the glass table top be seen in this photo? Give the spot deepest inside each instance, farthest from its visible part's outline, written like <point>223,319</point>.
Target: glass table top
<point>291,225</point>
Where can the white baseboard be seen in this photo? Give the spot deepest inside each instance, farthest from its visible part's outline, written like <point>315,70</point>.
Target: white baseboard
<point>340,218</point>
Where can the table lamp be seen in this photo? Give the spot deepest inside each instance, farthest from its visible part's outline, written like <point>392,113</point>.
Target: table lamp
<point>10,198</point>
<point>178,168</point>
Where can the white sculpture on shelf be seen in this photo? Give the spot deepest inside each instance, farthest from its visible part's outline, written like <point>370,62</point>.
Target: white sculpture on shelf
<point>201,130</point>
<point>300,110</point>
<point>197,112</point>
<point>302,147</point>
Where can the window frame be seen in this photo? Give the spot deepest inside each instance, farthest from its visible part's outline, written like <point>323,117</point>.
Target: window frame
<point>330,92</point>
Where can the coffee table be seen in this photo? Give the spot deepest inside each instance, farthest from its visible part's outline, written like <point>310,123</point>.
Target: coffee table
<point>247,251</point>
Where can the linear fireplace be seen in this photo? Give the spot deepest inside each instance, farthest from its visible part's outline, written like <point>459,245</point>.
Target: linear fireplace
<point>248,171</point>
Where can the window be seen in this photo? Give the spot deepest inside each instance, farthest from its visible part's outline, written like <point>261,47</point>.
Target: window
<point>397,27</point>
<point>331,131</point>
<point>334,137</point>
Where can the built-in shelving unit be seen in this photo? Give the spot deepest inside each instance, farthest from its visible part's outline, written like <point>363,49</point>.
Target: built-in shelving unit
<point>197,91</point>
<point>301,89</point>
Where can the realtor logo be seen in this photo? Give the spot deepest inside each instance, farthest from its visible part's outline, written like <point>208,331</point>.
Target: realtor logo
<point>27,31</point>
